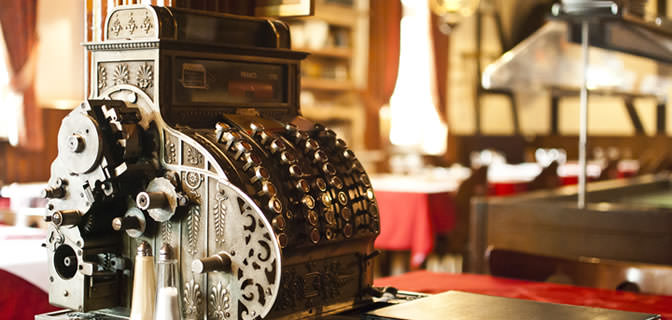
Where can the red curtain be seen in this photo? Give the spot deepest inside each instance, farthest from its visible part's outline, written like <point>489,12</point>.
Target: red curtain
<point>18,20</point>
<point>384,30</point>
<point>440,48</point>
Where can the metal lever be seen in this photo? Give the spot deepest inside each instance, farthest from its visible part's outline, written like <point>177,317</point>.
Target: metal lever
<point>215,263</point>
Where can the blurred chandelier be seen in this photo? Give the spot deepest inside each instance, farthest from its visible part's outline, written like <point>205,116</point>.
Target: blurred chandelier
<point>452,12</point>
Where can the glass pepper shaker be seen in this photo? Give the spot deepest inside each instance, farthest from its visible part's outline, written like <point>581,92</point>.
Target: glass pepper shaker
<point>167,294</point>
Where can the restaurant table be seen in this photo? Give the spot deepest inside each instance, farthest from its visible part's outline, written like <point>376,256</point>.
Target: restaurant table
<point>431,282</point>
<point>412,212</point>
<point>23,273</point>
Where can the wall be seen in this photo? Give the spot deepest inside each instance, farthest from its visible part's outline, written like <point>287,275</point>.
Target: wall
<point>60,62</point>
<point>59,87</point>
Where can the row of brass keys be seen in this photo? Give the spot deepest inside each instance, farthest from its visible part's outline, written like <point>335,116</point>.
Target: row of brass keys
<point>309,184</point>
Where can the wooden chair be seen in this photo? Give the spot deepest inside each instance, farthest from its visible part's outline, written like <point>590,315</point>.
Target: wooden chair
<point>547,179</point>
<point>456,241</point>
<point>581,271</point>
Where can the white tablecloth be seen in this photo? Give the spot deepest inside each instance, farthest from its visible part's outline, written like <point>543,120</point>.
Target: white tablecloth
<point>23,255</point>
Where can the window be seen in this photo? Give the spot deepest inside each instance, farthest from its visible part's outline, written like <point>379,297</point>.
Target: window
<point>10,102</point>
<point>415,124</point>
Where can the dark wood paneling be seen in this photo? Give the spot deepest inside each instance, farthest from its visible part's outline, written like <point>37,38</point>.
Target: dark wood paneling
<point>18,165</point>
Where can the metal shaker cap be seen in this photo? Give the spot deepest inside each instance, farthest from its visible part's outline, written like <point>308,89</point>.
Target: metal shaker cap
<point>144,249</point>
<point>166,252</point>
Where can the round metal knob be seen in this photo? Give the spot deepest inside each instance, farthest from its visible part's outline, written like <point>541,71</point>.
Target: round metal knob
<point>329,234</point>
<point>342,198</point>
<point>242,147</point>
<point>336,182</point>
<point>133,223</point>
<point>275,205</point>
<point>279,223</point>
<point>151,200</point>
<point>308,201</point>
<point>303,186</point>
<point>348,154</point>
<point>365,179</point>
<point>230,138</point>
<point>76,143</point>
<point>70,261</point>
<point>326,199</point>
<point>340,144</point>
<point>256,127</point>
<point>347,230</point>
<point>287,157</point>
<point>220,128</point>
<point>319,156</point>
<point>295,171</point>
<point>66,218</point>
<point>290,127</point>
<point>315,236</point>
<point>216,263</point>
<point>53,193</point>
<point>329,169</point>
<point>125,223</point>
<point>346,214</point>
<point>267,189</point>
<point>282,240</point>
<point>277,146</point>
<point>311,145</point>
<point>260,174</point>
<point>321,184</point>
<point>312,217</point>
<point>251,160</point>
<point>330,217</point>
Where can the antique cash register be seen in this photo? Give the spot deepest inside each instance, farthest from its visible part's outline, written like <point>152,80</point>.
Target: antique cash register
<point>193,137</point>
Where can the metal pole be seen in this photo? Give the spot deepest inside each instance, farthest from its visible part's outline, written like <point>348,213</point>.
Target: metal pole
<point>583,117</point>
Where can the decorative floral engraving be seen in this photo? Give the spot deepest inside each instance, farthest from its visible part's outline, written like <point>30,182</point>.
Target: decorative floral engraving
<point>193,180</point>
<point>147,25</point>
<point>131,25</point>
<point>167,232</point>
<point>219,211</point>
<point>194,157</point>
<point>145,76</point>
<point>120,75</point>
<point>170,152</point>
<point>219,302</point>
<point>116,27</point>
<point>102,76</point>
<point>193,228</point>
<point>192,299</point>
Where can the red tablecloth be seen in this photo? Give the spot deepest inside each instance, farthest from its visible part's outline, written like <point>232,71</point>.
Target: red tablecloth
<point>21,300</point>
<point>429,282</point>
<point>502,188</point>
<point>410,221</point>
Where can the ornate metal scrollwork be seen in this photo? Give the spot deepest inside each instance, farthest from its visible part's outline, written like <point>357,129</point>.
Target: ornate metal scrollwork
<point>116,27</point>
<point>170,152</point>
<point>131,25</point>
<point>147,25</point>
<point>220,302</point>
<point>193,228</point>
<point>102,77</point>
<point>120,75</point>
<point>192,299</point>
<point>145,76</point>
<point>219,212</point>
<point>167,232</point>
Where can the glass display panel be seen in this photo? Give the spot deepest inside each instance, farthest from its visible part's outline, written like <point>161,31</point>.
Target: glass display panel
<point>200,81</point>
